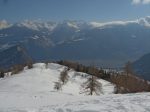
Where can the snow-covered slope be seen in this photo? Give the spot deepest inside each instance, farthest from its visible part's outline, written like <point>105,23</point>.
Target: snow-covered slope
<point>42,78</point>
<point>32,91</point>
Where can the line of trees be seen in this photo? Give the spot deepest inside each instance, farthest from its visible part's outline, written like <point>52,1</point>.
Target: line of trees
<point>90,87</point>
<point>63,79</point>
<point>100,73</point>
<point>126,81</point>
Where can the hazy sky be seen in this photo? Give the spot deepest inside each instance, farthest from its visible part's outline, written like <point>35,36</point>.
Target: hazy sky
<point>88,10</point>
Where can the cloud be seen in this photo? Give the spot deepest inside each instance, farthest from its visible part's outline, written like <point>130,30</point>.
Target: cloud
<point>140,1</point>
<point>136,1</point>
<point>109,24</point>
<point>141,21</point>
<point>146,1</point>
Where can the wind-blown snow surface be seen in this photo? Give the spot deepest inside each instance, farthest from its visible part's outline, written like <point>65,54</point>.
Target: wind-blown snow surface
<point>32,91</point>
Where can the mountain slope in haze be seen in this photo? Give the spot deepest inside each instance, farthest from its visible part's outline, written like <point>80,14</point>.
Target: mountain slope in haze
<point>142,67</point>
<point>12,56</point>
<point>108,44</point>
<point>32,91</point>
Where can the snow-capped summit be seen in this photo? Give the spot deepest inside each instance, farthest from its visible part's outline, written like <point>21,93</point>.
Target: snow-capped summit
<point>4,24</point>
<point>91,36</point>
<point>68,24</point>
<point>73,25</point>
<point>37,25</point>
<point>77,25</point>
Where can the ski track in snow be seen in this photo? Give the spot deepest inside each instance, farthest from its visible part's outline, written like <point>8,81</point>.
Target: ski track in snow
<point>32,91</point>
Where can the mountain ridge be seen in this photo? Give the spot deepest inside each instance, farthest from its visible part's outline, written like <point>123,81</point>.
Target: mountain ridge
<point>35,24</point>
<point>142,65</point>
<point>109,45</point>
<point>12,56</point>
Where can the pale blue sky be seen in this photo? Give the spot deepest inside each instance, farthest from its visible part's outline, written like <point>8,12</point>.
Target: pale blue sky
<point>59,10</point>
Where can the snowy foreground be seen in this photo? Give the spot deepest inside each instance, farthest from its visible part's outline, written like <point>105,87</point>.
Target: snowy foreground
<point>33,91</point>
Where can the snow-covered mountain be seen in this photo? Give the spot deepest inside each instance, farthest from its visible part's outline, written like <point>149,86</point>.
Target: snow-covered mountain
<point>114,43</point>
<point>37,25</point>
<point>12,55</point>
<point>32,90</point>
<point>50,25</point>
<point>4,24</point>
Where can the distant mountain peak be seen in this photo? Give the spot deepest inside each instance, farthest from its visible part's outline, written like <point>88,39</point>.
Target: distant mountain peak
<point>16,54</point>
<point>120,41</point>
<point>37,25</point>
<point>4,24</point>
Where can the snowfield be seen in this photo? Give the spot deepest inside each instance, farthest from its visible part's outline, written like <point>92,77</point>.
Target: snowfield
<point>32,90</point>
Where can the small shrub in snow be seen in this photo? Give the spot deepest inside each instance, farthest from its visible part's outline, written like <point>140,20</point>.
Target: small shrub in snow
<point>63,79</point>
<point>30,65</point>
<point>16,69</point>
<point>77,74</point>
<point>57,86</point>
<point>121,90</point>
